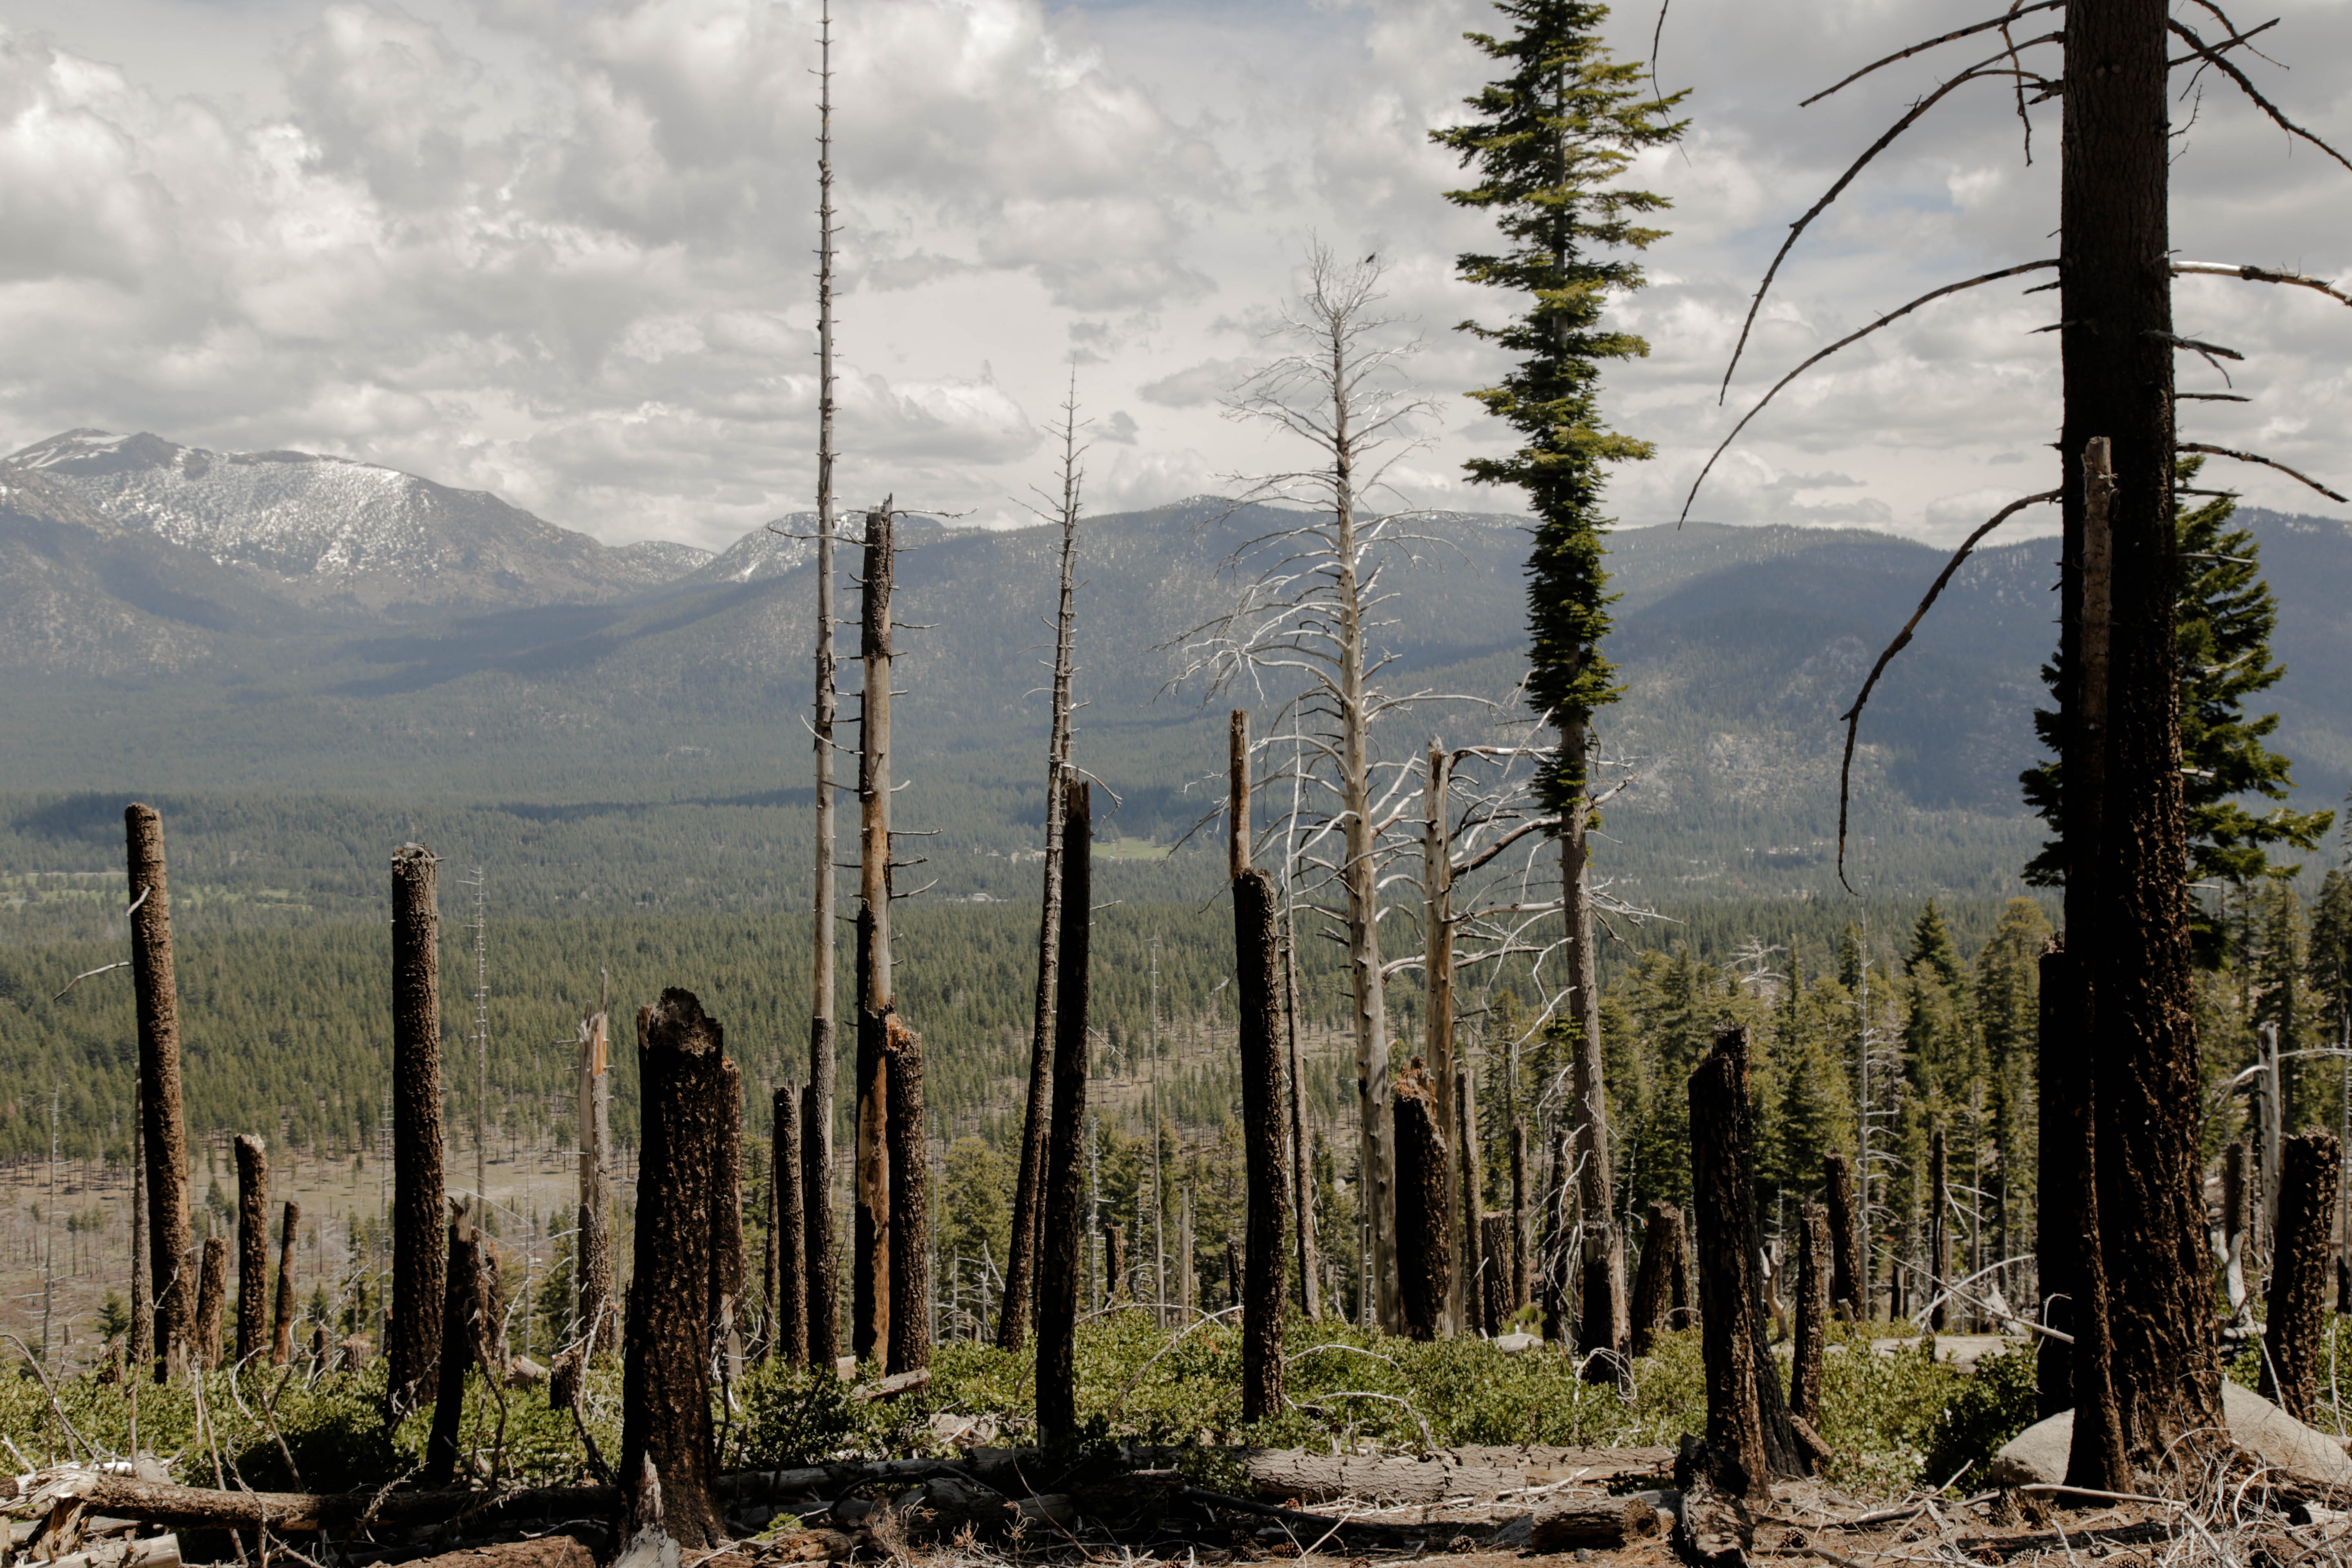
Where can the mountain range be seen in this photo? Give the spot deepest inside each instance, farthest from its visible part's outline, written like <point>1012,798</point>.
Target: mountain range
<point>181,620</point>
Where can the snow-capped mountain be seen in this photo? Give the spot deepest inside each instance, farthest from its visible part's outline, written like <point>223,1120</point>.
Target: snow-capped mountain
<point>328,530</point>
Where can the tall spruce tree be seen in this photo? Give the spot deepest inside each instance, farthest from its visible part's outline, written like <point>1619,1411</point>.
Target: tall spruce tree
<point>2222,638</point>
<point>1548,141</point>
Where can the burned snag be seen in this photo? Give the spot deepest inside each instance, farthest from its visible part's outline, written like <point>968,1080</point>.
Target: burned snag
<point>1813,1316</point>
<point>1262,1133</point>
<point>212,1295</point>
<point>412,1324</point>
<point>910,1204</point>
<point>1653,1281</point>
<point>727,1257</point>
<point>1849,1279</point>
<point>2294,1332</point>
<point>665,1370</point>
<point>1423,1203</point>
<point>788,1289</point>
<point>252,1248</point>
<point>598,1326</point>
<point>163,1128</point>
<point>282,1342</point>
<point>463,1308</point>
<point>1062,1237</point>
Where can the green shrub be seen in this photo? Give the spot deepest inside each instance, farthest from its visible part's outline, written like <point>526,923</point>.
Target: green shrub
<point>1986,1410</point>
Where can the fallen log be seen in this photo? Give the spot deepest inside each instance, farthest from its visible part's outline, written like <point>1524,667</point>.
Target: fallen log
<point>154,1552</point>
<point>201,1508</point>
<point>1483,1473</point>
<point>1591,1522</point>
<point>547,1552</point>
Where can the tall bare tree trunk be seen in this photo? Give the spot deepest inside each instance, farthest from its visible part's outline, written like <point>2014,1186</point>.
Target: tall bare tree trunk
<point>1256,984</point>
<point>1522,1285</point>
<point>282,1342</point>
<point>1063,1235</point>
<point>910,1204</point>
<point>1470,1210</point>
<point>140,1351</point>
<point>2129,871</point>
<point>665,1424</point>
<point>870,1265</point>
<point>1437,977</point>
<point>824,1280</point>
<point>789,1294</point>
<point>1939,1244</point>
<point>163,1128</point>
<point>252,1248</point>
<point>418,1243</point>
<point>1601,1284</point>
<point>1848,1278</point>
<point>1310,1262</point>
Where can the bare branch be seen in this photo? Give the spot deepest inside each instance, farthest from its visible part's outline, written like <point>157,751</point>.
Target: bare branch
<point>2003,20</point>
<point>2256,457</point>
<point>118,963</point>
<point>1853,716</point>
<point>1849,338</point>
<point>2212,56</point>
<point>2259,274</point>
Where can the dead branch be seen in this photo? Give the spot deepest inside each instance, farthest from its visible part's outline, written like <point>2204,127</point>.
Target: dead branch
<point>1986,68</point>
<point>2255,457</point>
<point>1849,338</point>
<point>1853,716</point>
<point>85,975</point>
<point>2259,274</point>
<point>2003,20</point>
<point>2213,56</point>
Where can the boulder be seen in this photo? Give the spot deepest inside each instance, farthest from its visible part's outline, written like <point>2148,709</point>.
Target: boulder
<point>2039,1453</point>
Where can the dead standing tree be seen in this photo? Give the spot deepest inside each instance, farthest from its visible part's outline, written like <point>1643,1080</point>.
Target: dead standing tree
<point>281,1344</point>
<point>1257,987</point>
<point>413,1326</point>
<point>1028,1202</point>
<point>163,1130</point>
<point>870,1239</point>
<point>2295,1333</point>
<point>2135,1230</point>
<point>822,1278</point>
<point>788,1291</point>
<point>598,1330</point>
<point>689,1090</point>
<point>252,1248</point>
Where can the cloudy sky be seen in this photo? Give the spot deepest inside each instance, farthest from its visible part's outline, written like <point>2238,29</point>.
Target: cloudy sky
<point>560,250</point>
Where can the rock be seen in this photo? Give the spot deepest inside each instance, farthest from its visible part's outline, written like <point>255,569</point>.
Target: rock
<point>964,1431</point>
<point>524,1372</point>
<point>2039,1453</point>
<point>1515,1345</point>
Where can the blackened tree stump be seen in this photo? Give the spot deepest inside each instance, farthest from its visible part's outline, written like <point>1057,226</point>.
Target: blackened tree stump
<point>2294,1334</point>
<point>1423,1199</point>
<point>1258,988</point>
<point>212,1295</point>
<point>1848,1276</point>
<point>462,1313</point>
<point>282,1342</point>
<point>252,1248</point>
<point>1653,1282</point>
<point>1811,1340</point>
<point>911,1202</point>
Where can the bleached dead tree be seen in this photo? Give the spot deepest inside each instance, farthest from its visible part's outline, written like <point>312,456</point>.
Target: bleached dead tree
<point>1299,635</point>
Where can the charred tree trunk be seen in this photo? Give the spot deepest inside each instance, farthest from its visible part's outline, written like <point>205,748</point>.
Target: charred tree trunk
<point>2294,1332</point>
<point>598,1327</point>
<point>141,1348</point>
<point>1811,1339</point>
<point>282,1342</point>
<point>462,1310</point>
<point>2063,1168</point>
<point>1437,1006</point>
<point>1062,1238</point>
<point>666,1429</point>
<point>870,1266</point>
<point>910,1204</point>
<point>823,1274</point>
<point>1255,984</point>
<point>252,1248</point>
<point>1939,1244</point>
<point>1849,1280</point>
<point>789,1292</point>
<point>726,1257</point>
<point>163,1128</point>
<point>1493,1271</point>
<point>1424,1208</point>
<point>1522,1283</point>
<point>1310,1261</point>
<point>212,1296</point>
<point>1552,1248</point>
<point>1475,1318</point>
<point>2129,868</point>
<point>1654,1282</point>
<point>1019,1305</point>
<point>1747,1434</point>
<point>413,1328</point>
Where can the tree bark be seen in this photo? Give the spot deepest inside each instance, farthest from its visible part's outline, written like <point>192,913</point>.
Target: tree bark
<point>1423,1203</point>
<point>1255,986</point>
<point>2062,1169</point>
<point>282,1342</point>
<point>1063,1233</point>
<point>1437,1006</point>
<point>163,1128</point>
<point>2295,1330</point>
<point>727,1255</point>
<point>140,1351</point>
<point>412,1327</point>
<point>1602,1266</point>
<point>1849,1280</point>
<point>462,1309</point>
<point>594,1276</point>
<point>665,1363</point>
<point>1747,1434</point>
<point>1019,1305</point>
<point>1310,1261</point>
<point>870,1266</point>
<point>212,1295</point>
<point>252,1246</point>
<point>910,1204</point>
<point>1473,1227</point>
<point>1114,1261</point>
<point>788,1296</point>
<point>202,1508</point>
<point>1940,1245</point>
<point>2130,870</point>
<point>1521,1284</point>
<point>1606,1523</point>
<point>1493,1271</point>
<point>1811,1339</point>
<point>1654,1282</point>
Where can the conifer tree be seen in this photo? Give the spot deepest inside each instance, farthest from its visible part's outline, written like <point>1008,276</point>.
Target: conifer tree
<point>1548,141</point>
